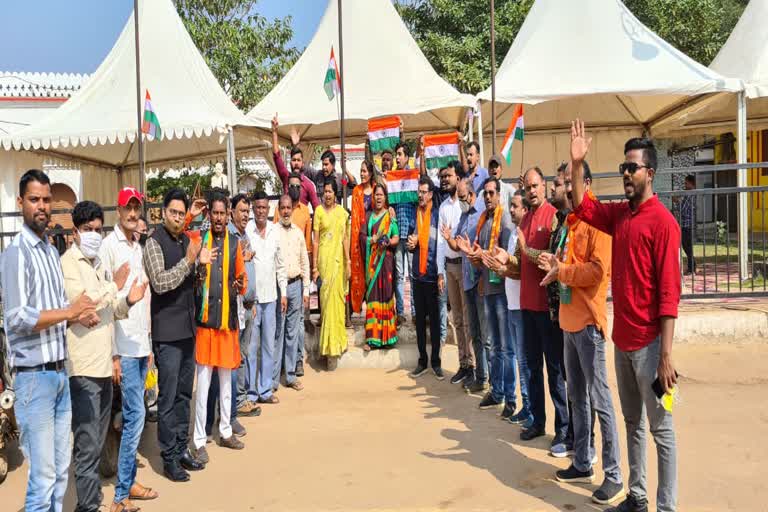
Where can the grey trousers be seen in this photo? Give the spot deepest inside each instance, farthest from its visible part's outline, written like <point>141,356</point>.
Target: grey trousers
<point>454,281</point>
<point>588,388</point>
<point>91,408</point>
<point>245,339</point>
<point>635,373</point>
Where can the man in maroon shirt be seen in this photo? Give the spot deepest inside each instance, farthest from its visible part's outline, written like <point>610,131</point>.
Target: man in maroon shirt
<point>308,191</point>
<point>645,282</point>
<point>539,337</point>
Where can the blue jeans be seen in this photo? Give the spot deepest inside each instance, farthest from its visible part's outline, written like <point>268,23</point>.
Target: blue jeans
<point>502,350</point>
<point>444,315</point>
<point>403,264</point>
<point>289,328</point>
<point>134,371</point>
<point>44,412</point>
<point>474,312</point>
<point>261,356</point>
<point>542,342</point>
<point>515,321</point>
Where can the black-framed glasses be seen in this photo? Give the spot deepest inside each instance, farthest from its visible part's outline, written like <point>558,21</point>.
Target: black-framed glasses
<point>631,167</point>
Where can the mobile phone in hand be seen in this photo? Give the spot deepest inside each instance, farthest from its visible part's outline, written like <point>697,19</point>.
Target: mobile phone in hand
<point>658,389</point>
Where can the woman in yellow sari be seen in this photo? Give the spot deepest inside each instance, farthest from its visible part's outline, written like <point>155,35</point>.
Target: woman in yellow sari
<point>332,266</point>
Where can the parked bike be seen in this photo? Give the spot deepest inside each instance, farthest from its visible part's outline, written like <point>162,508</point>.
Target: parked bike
<point>9,430</point>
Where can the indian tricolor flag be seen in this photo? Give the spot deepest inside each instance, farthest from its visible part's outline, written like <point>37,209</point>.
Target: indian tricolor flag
<point>150,125</point>
<point>332,83</point>
<point>383,133</point>
<point>402,186</point>
<point>440,149</point>
<point>515,132</point>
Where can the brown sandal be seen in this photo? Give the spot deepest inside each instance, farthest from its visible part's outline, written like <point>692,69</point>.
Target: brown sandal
<point>140,493</point>
<point>123,506</point>
<point>296,385</point>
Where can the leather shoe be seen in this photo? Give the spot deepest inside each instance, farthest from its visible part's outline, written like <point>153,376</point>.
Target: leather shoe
<point>190,463</point>
<point>175,473</point>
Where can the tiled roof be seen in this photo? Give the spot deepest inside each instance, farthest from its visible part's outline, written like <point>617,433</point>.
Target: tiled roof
<point>40,85</point>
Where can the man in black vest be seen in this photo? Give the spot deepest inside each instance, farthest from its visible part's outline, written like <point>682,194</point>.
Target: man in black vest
<point>169,261</point>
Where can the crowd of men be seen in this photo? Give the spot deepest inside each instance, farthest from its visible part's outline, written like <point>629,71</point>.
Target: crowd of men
<point>525,281</point>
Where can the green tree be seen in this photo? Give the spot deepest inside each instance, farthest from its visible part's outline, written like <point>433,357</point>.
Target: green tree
<point>247,53</point>
<point>455,36</point>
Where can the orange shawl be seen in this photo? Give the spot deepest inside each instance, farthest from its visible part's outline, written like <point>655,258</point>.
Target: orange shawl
<point>495,227</point>
<point>357,288</point>
<point>423,224</point>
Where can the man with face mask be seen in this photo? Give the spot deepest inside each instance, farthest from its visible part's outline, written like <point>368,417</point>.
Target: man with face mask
<point>496,170</point>
<point>290,324</point>
<point>133,349</point>
<point>91,352</point>
<point>307,190</point>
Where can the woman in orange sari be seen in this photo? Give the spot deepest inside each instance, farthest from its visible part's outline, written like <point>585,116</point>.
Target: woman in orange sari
<point>361,205</point>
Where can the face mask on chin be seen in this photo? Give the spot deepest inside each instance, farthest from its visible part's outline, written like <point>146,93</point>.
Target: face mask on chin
<point>286,222</point>
<point>465,206</point>
<point>90,243</point>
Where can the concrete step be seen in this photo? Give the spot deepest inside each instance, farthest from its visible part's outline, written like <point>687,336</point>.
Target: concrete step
<point>400,357</point>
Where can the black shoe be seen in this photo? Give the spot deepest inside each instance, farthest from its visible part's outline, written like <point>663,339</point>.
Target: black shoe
<point>189,462</point>
<point>575,476</point>
<point>300,369</point>
<point>531,433</point>
<point>476,387</point>
<point>488,402</point>
<point>508,412</point>
<point>439,375</point>
<point>631,504</point>
<point>460,375</point>
<point>608,492</point>
<point>175,473</point>
<point>419,371</point>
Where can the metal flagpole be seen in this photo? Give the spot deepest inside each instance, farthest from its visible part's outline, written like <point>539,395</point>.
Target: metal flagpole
<point>493,78</point>
<point>139,136</point>
<point>741,155</point>
<point>341,110</point>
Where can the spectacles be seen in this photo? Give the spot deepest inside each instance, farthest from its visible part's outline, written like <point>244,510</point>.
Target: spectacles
<point>174,213</point>
<point>294,186</point>
<point>631,167</point>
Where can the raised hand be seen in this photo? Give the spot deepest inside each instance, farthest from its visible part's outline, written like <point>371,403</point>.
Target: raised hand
<point>275,123</point>
<point>521,239</point>
<point>500,255</point>
<point>208,256</point>
<point>193,249</point>
<point>490,262</point>
<point>121,275</point>
<point>463,243</point>
<point>295,137</point>
<point>446,232</point>
<point>579,141</point>
<point>198,206</point>
<point>136,293</point>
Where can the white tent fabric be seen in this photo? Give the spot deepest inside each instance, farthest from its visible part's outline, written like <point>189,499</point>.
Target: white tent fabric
<point>595,60</point>
<point>744,56</point>
<point>384,73</point>
<point>98,124</point>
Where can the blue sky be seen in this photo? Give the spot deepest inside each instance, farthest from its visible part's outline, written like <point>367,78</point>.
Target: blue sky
<point>74,36</point>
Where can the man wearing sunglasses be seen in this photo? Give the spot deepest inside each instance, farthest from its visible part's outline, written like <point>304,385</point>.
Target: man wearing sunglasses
<point>645,283</point>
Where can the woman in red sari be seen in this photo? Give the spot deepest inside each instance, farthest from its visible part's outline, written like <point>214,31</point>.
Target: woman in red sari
<point>361,205</point>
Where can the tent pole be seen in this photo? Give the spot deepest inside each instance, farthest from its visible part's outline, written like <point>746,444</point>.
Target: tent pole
<point>742,182</point>
<point>471,125</point>
<point>138,97</point>
<point>341,110</point>
<point>480,132</point>
<point>493,77</point>
<point>231,162</point>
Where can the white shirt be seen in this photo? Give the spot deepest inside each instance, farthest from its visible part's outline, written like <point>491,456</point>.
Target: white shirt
<point>268,261</point>
<point>131,334</point>
<point>512,286</point>
<point>449,215</point>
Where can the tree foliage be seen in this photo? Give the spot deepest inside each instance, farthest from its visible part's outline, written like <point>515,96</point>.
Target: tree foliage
<point>247,53</point>
<point>455,36</point>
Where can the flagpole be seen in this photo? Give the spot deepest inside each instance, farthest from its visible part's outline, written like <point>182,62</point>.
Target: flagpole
<point>138,97</point>
<point>341,109</point>
<point>493,77</point>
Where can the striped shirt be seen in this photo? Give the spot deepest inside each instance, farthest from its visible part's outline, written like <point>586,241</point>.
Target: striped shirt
<point>32,282</point>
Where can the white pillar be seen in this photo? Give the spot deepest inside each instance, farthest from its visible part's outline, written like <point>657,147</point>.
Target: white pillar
<point>231,162</point>
<point>743,216</point>
<point>480,131</point>
<point>471,127</point>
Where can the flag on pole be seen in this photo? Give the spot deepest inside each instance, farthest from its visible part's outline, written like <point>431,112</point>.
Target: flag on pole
<point>516,131</point>
<point>440,149</point>
<point>402,186</point>
<point>151,125</point>
<point>383,133</point>
<point>332,83</point>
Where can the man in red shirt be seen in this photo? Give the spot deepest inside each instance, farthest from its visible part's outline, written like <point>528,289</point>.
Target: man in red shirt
<point>308,192</point>
<point>539,336</point>
<point>645,283</point>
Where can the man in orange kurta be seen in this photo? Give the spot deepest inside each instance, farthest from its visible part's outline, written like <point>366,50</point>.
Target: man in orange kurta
<point>221,276</point>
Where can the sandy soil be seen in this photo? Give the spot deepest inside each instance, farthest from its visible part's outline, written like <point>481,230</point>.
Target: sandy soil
<point>376,440</point>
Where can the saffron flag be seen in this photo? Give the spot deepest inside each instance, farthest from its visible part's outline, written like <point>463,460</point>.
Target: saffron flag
<point>383,133</point>
<point>150,125</point>
<point>516,131</point>
<point>332,83</point>
<point>440,149</point>
<point>402,186</point>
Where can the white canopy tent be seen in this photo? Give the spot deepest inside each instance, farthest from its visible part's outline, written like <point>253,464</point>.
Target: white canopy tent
<point>592,59</point>
<point>384,73</point>
<point>98,125</point>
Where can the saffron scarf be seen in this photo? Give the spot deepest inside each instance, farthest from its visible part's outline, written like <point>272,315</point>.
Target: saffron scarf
<point>423,224</point>
<point>495,227</point>
<point>203,315</point>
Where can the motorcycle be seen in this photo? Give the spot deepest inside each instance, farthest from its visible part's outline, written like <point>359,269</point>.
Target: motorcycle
<point>9,430</point>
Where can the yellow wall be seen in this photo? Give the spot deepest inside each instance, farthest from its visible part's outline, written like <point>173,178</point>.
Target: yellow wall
<point>757,177</point>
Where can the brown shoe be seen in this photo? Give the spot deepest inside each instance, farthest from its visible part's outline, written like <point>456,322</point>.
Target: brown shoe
<point>248,409</point>
<point>231,442</point>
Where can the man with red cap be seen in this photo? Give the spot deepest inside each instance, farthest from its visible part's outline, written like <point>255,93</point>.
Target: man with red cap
<point>132,346</point>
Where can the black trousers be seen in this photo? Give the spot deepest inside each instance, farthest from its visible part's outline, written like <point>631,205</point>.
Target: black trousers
<point>91,408</point>
<point>427,304</point>
<point>175,375</point>
<point>686,240</point>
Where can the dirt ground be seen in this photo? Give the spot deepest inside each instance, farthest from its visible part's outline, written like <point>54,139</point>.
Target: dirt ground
<point>377,440</point>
